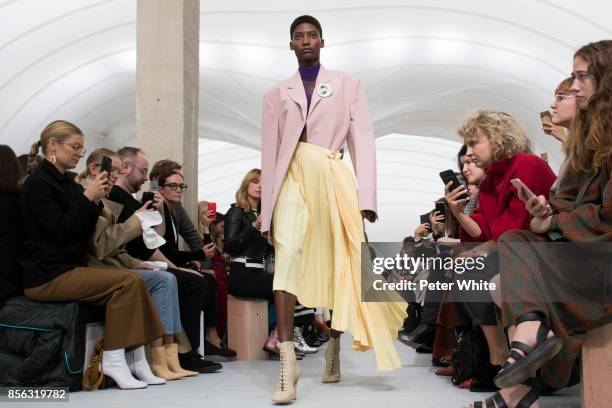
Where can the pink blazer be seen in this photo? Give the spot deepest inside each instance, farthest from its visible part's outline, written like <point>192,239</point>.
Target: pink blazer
<point>332,122</point>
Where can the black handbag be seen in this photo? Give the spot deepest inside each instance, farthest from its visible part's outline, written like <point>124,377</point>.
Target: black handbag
<point>470,355</point>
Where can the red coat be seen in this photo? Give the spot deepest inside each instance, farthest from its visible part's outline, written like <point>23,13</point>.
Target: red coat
<point>499,208</point>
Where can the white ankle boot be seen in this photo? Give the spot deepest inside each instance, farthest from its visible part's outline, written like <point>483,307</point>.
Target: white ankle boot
<point>137,361</point>
<point>115,366</point>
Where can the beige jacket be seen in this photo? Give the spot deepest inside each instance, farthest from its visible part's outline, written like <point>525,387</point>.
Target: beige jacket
<point>106,247</point>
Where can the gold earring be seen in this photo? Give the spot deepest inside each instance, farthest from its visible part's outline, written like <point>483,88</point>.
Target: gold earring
<point>53,158</point>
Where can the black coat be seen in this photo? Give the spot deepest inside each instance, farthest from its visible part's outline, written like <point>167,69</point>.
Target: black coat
<point>171,248</point>
<point>240,237</point>
<point>58,222</point>
<point>11,247</point>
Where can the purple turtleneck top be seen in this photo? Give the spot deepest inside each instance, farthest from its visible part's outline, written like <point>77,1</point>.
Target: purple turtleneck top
<point>309,79</point>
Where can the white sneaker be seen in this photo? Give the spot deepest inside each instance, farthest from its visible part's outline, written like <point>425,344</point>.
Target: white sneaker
<point>300,343</point>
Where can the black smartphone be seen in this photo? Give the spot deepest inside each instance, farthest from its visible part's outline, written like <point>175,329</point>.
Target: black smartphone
<point>106,165</point>
<point>441,208</point>
<point>148,196</point>
<point>207,239</point>
<point>448,176</point>
<point>425,219</point>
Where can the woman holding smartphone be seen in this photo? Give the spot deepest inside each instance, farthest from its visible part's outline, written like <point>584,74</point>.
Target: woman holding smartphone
<point>500,147</point>
<point>551,294</point>
<point>172,186</point>
<point>60,218</point>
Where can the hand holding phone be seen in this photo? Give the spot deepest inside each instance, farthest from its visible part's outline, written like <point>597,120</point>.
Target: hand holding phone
<point>212,207</point>
<point>537,206</point>
<point>547,124</point>
<point>106,165</point>
<point>448,176</point>
<point>148,196</point>
<point>524,191</point>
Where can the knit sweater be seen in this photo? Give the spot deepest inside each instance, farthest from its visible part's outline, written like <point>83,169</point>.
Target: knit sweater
<point>499,208</point>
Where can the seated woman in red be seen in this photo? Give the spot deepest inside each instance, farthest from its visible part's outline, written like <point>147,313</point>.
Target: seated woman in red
<point>500,147</point>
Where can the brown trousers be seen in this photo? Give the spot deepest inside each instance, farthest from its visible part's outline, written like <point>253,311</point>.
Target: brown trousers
<point>131,316</point>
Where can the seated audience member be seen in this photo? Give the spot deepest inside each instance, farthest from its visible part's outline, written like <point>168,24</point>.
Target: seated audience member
<point>473,176</point>
<point>106,251</point>
<point>194,291</point>
<point>563,110</point>
<point>244,243</point>
<point>59,219</point>
<point>11,226</point>
<point>171,187</point>
<point>212,231</point>
<point>499,147</point>
<point>552,294</point>
<point>186,229</point>
<point>426,237</point>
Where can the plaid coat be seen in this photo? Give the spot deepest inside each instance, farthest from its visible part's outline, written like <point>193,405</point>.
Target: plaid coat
<point>564,282</point>
<point>591,219</point>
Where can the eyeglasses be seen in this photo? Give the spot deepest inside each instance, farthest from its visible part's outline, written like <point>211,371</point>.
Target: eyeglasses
<point>142,171</point>
<point>561,97</point>
<point>78,148</point>
<point>175,186</point>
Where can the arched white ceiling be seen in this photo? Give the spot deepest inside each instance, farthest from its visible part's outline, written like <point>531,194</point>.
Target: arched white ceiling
<point>424,64</point>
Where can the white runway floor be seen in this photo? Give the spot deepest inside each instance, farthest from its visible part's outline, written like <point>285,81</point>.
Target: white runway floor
<point>250,384</point>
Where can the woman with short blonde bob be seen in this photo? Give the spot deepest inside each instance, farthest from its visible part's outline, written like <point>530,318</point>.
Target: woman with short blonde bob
<point>60,218</point>
<point>501,148</point>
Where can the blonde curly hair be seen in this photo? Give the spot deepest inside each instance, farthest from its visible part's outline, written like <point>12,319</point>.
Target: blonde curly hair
<point>503,131</point>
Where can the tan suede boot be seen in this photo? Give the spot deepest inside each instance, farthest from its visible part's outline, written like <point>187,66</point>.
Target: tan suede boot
<point>290,371</point>
<point>173,361</point>
<point>157,361</point>
<point>332,361</point>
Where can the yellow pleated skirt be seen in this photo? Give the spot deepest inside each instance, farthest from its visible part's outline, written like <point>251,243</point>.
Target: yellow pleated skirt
<point>317,231</point>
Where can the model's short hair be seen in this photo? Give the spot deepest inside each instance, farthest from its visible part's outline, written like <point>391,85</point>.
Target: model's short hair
<point>305,19</point>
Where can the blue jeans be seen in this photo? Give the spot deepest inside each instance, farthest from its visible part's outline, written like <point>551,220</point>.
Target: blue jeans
<point>164,291</point>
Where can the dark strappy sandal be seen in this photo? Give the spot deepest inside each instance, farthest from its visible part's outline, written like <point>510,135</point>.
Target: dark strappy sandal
<point>496,400</point>
<point>524,365</point>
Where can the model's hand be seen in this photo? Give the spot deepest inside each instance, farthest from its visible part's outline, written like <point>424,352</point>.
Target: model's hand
<point>369,215</point>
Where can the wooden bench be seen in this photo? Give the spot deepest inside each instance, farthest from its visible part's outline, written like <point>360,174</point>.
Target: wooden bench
<point>247,327</point>
<point>597,368</point>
